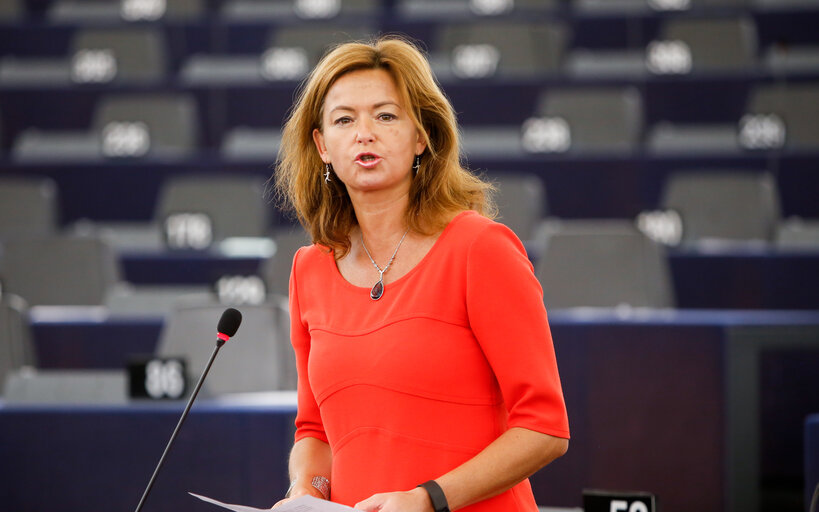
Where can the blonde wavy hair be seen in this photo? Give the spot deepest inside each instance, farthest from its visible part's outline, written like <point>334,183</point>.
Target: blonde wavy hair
<point>442,186</point>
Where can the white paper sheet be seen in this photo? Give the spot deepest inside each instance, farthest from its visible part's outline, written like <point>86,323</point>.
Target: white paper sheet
<point>301,504</point>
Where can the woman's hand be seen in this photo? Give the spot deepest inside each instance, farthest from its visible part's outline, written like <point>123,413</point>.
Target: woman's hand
<point>298,491</point>
<point>416,500</point>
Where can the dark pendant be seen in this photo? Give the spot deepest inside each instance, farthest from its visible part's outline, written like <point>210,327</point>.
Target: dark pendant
<point>377,291</point>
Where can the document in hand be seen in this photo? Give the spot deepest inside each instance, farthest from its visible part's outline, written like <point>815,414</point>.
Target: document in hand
<point>302,504</point>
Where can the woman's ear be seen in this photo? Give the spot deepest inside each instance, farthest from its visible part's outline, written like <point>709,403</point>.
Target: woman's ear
<point>421,143</point>
<point>318,139</point>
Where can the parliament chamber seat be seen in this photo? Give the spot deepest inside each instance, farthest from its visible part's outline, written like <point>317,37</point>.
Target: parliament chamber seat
<point>736,206</point>
<point>295,10</point>
<point>105,11</point>
<point>256,359</point>
<point>58,270</point>
<point>603,264</point>
<point>794,107</point>
<point>29,206</point>
<point>470,9</point>
<point>16,345</point>
<point>10,10</point>
<point>521,201</point>
<point>285,54</point>
<point>275,270</point>
<point>235,205</point>
<point>716,44</point>
<point>128,125</point>
<point>497,48</point>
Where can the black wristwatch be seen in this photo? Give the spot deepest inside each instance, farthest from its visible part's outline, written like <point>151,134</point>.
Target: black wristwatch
<point>436,495</point>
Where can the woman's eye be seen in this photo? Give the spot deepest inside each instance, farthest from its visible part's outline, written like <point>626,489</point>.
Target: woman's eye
<point>386,116</point>
<point>343,120</point>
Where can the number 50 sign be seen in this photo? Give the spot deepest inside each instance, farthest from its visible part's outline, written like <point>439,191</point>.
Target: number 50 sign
<point>616,501</point>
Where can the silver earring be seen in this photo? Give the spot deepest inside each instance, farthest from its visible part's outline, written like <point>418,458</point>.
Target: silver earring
<point>417,164</point>
<point>326,173</point>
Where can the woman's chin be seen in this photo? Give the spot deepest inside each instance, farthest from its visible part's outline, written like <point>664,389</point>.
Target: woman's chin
<point>374,183</point>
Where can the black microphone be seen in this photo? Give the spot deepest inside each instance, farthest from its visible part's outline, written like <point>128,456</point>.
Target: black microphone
<point>227,327</point>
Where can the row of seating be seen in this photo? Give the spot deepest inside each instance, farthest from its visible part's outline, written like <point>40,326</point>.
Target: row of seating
<point>581,264</point>
<point>459,51</point>
<point>195,211</point>
<point>562,120</point>
<point>151,10</point>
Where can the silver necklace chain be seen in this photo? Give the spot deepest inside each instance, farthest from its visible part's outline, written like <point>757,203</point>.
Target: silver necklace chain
<point>378,288</point>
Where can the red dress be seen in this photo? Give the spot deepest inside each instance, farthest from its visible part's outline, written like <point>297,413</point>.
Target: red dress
<point>406,388</point>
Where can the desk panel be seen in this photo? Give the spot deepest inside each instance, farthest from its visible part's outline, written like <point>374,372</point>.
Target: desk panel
<point>746,280</point>
<point>101,458</point>
<point>187,267</point>
<point>645,410</point>
<point>94,344</point>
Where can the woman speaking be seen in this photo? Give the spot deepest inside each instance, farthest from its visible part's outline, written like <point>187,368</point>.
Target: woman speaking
<point>427,378</point>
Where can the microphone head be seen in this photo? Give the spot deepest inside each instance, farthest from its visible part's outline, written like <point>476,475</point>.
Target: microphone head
<point>229,323</point>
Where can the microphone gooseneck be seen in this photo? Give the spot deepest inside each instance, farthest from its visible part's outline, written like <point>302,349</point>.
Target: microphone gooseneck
<point>227,327</point>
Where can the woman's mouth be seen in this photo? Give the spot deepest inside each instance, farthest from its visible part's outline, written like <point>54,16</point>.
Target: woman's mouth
<point>367,159</point>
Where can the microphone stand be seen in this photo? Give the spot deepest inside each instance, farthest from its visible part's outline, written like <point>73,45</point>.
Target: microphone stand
<point>219,343</point>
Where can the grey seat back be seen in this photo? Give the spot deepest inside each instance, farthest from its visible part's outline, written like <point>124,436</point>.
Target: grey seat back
<point>258,358</point>
<point>599,265</point>
<point>288,9</point>
<point>276,269</point>
<point>28,206</point>
<point>521,201</point>
<point>599,118</point>
<point>432,9</point>
<point>171,120</point>
<point>524,48</point>
<point>798,234</point>
<point>798,107</point>
<point>139,53</point>
<point>85,11</point>
<point>715,44</point>
<point>58,270</point>
<point>738,205</point>
<point>316,38</point>
<point>235,204</point>
<point>16,347</point>
<point>244,142</point>
<point>10,10</point>
<point>720,3</point>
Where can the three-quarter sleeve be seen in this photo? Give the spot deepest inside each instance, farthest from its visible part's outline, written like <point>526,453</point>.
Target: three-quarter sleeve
<point>508,317</point>
<point>308,417</point>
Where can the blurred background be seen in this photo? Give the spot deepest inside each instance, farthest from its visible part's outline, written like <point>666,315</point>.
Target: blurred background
<point>659,159</point>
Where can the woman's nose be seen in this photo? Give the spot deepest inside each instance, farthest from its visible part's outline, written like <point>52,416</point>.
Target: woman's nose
<point>365,132</point>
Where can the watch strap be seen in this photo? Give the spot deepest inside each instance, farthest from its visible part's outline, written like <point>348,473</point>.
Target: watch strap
<point>436,495</point>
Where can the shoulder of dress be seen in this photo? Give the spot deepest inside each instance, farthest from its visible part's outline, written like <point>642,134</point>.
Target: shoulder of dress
<point>309,259</point>
<point>481,238</point>
<point>470,223</point>
<point>471,226</point>
<point>311,253</point>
